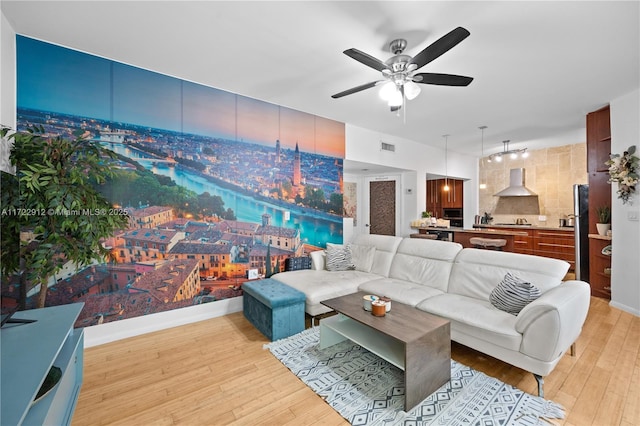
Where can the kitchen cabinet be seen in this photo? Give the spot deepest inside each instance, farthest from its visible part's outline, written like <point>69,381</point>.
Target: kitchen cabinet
<point>547,242</point>
<point>600,266</point>
<point>439,199</point>
<point>598,151</point>
<point>558,244</point>
<point>523,243</point>
<point>453,197</point>
<point>434,200</point>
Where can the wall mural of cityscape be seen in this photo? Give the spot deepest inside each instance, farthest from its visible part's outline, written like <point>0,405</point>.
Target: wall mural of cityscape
<point>219,188</point>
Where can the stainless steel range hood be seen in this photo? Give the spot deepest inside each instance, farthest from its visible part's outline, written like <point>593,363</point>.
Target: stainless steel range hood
<point>516,186</point>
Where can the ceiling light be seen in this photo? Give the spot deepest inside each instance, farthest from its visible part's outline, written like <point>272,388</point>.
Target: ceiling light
<point>387,89</point>
<point>411,90</point>
<point>446,173</point>
<point>513,153</point>
<point>483,185</point>
<point>395,100</point>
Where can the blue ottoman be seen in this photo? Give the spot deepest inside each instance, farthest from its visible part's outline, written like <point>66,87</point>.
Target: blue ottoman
<point>275,309</point>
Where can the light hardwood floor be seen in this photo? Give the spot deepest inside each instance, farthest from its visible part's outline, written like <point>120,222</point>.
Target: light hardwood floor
<point>216,372</point>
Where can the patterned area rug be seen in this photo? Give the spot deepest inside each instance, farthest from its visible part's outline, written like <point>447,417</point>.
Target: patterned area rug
<point>366,390</point>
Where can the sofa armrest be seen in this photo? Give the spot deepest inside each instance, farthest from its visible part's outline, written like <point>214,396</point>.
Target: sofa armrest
<point>553,322</point>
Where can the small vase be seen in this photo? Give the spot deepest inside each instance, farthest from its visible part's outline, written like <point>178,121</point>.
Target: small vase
<point>603,228</point>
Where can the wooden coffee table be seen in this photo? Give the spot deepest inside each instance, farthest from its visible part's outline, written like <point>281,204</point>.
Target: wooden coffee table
<point>414,341</point>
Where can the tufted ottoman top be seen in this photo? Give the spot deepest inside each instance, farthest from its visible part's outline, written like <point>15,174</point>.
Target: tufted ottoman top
<point>273,293</point>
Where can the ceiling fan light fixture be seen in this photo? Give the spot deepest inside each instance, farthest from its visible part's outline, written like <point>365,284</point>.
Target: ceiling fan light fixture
<point>386,91</point>
<point>396,99</point>
<point>400,69</point>
<point>411,90</point>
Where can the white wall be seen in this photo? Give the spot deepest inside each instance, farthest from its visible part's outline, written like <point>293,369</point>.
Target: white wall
<point>417,160</point>
<point>7,73</point>
<point>117,330</point>
<point>625,267</point>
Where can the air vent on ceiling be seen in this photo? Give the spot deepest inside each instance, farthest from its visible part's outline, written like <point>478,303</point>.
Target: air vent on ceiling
<point>387,147</point>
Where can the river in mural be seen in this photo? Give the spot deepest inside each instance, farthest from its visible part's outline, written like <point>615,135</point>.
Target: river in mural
<point>315,229</point>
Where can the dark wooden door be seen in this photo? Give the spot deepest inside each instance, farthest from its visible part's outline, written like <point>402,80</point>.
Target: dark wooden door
<point>382,207</point>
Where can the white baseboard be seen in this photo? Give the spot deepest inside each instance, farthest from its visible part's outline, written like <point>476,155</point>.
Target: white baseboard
<point>117,330</point>
<point>625,308</point>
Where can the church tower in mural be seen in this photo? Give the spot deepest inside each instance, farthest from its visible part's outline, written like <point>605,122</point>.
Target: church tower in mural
<point>296,167</point>
<point>278,151</point>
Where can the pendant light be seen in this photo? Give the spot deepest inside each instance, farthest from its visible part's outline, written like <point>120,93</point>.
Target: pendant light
<point>483,184</point>
<point>446,172</point>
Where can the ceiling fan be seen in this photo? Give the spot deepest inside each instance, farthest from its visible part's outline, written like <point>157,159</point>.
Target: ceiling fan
<point>400,71</point>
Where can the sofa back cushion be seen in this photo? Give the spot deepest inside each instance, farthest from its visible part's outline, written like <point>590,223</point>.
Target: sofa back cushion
<point>476,272</point>
<point>424,262</point>
<point>386,246</point>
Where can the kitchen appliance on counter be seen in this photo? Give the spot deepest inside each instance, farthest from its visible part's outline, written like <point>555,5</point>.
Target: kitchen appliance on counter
<point>581,230</point>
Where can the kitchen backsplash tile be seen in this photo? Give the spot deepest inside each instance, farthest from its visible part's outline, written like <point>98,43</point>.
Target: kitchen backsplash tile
<point>550,172</point>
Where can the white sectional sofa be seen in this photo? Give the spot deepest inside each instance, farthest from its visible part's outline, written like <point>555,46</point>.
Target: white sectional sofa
<point>442,278</point>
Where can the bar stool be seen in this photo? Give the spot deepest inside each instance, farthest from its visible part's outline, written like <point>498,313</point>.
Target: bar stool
<point>488,243</point>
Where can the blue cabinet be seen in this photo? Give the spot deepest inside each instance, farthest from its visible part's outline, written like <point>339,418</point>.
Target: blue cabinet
<point>28,353</point>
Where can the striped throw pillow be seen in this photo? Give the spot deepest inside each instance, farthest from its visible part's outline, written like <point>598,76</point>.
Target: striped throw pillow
<point>513,294</point>
<point>339,258</point>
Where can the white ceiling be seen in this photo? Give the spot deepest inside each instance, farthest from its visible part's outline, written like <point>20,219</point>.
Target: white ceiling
<point>539,67</point>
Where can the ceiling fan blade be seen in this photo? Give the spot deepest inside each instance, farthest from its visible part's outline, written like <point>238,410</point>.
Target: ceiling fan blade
<point>356,89</point>
<point>366,59</point>
<point>440,46</point>
<point>442,79</point>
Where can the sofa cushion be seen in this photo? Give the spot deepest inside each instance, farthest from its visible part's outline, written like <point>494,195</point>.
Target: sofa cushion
<point>318,260</point>
<point>362,257</point>
<point>399,290</point>
<point>297,262</point>
<point>475,317</point>
<point>424,262</point>
<point>386,247</point>
<point>513,294</point>
<point>476,273</point>
<point>322,285</point>
<point>339,258</point>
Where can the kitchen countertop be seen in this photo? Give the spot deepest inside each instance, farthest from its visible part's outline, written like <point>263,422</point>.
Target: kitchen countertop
<point>551,228</point>
<point>600,237</point>
<point>471,231</point>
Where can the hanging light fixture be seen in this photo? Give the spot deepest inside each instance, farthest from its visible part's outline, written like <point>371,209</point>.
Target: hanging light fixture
<point>513,153</point>
<point>446,172</point>
<point>483,184</point>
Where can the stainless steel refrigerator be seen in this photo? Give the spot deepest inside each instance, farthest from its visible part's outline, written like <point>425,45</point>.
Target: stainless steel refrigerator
<point>581,230</point>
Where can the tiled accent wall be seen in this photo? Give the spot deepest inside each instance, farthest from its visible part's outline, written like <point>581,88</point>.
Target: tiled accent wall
<point>550,172</point>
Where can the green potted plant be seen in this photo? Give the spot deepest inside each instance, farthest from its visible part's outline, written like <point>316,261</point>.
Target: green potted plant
<point>604,219</point>
<point>52,212</point>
